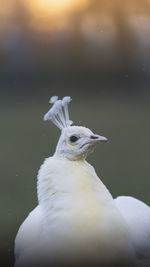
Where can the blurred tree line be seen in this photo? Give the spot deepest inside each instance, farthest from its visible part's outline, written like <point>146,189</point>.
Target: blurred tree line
<point>94,38</point>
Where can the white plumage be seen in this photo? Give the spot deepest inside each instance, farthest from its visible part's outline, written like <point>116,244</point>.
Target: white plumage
<point>77,222</point>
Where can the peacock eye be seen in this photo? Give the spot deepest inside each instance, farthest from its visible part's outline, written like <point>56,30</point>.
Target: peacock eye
<point>73,138</point>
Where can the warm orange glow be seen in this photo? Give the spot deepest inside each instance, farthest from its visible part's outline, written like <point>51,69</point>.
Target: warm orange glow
<point>55,6</point>
<point>47,15</point>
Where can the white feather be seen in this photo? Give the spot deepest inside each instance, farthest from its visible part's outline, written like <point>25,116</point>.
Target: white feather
<point>78,220</point>
<point>58,113</point>
<point>137,215</point>
<point>28,237</point>
<point>53,99</point>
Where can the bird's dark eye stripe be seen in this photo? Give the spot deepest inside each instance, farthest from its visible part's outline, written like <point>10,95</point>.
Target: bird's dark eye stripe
<point>73,138</point>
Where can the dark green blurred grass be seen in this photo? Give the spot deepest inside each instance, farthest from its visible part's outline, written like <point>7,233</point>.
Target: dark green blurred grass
<point>123,164</point>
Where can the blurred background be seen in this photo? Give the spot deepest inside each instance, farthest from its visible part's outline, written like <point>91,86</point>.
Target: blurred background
<point>96,51</point>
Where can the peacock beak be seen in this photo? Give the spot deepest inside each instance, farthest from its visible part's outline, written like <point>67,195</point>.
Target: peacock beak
<point>98,138</point>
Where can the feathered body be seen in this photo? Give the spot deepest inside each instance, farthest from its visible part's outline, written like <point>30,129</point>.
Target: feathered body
<point>79,220</point>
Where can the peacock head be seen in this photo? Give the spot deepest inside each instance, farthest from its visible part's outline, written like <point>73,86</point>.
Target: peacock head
<point>75,142</point>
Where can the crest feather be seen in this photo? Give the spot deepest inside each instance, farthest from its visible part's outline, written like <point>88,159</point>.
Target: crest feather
<point>58,113</point>
<point>53,99</point>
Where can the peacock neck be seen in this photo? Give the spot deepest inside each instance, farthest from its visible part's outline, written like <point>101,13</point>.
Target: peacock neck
<point>74,180</point>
